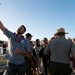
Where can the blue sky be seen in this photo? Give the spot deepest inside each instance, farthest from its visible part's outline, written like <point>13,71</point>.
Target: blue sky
<point>41,17</point>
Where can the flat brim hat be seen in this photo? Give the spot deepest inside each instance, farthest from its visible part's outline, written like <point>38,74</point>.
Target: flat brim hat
<point>61,31</point>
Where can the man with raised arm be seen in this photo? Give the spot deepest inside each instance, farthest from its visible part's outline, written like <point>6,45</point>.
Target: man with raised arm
<point>18,47</point>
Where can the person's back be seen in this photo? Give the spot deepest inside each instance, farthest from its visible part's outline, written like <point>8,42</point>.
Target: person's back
<point>60,49</point>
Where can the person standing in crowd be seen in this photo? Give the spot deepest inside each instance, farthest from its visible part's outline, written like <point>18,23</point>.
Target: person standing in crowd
<point>34,59</point>
<point>54,37</point>
<point>4,46</point>
<point>37,48</point>
<point>73,40</point>
<point>29,62</point>
<point>60,50</point>
<point>44,57</point>
<point>18,47</point>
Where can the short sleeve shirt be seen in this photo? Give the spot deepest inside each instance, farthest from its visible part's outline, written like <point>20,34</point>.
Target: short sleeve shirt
<point>12,45</point>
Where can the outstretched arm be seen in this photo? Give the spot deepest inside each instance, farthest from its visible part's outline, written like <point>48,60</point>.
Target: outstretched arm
<point>2,27</point>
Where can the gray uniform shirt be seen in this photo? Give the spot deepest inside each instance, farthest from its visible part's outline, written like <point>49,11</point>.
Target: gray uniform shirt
<point>60,49</point>
<point>12,45</point>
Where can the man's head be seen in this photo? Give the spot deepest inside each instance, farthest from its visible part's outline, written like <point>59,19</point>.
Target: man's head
<point>37,42</point>
<point>21,29</point>
<point>28,36</point>
<point>45,40</point>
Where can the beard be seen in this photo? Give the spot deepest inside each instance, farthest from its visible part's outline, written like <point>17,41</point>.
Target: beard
<point>19,32</point>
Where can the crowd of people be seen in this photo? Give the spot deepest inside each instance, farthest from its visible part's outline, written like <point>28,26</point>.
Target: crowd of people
<point>24,57</point>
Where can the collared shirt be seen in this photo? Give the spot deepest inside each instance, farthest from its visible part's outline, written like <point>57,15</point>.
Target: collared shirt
<point>60,49</point>
<point>12,45</point>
